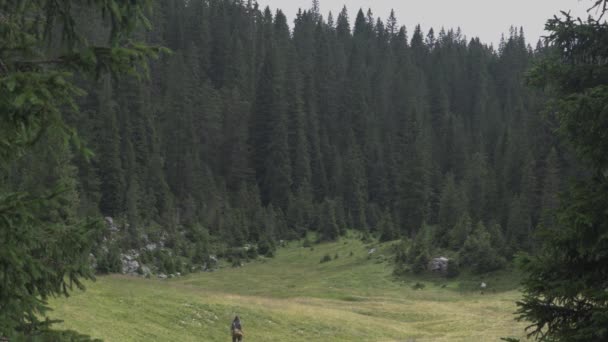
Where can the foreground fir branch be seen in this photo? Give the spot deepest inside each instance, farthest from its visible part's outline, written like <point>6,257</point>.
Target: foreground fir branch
<point>566,291</point>
<point>44,248</point>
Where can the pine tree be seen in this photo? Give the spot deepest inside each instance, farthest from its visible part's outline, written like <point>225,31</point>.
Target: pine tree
<point>329,230</point>
<point>565,284</point>
<point>419,253</point>
<point>109,163</point>
<point>34,99</point>
<point>550,193</point>
<point>478,252</point>
<point>519,225</point>
<point>461,231</point>
<point>450,209</point>
<point>386,227</point>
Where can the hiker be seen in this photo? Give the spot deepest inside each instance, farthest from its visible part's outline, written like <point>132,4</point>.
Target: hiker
<point>237,330</point>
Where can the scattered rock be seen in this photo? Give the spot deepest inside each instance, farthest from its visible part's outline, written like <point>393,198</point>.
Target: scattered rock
<point>145,271</point>
<point>111,225</point>
<point>211,265</point>
<point>130,265</point>
<point>372,251</point>
<point>439,265</point>
<point>162,276</point>
<point>151,247</point>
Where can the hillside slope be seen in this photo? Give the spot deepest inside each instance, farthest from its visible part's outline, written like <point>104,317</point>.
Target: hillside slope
<point>294,296</point>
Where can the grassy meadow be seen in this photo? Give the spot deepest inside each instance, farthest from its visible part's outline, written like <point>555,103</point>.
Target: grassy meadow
<point>294,297</point>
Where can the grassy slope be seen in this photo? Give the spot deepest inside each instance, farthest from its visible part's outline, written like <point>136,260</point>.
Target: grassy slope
<point>292,297</point>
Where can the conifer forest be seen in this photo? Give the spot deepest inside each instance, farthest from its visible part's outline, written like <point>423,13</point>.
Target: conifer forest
<point>186,130</point>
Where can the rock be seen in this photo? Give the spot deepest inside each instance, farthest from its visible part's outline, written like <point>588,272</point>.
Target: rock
<point>372,251</point>
<point>178,274</point>
<point>211,265</point>
<point>162,276</point>
<point>151,247</point>
<point>130,265</point>
<point>111,225</point>
<point>483,285</point>
<point>145,271</point>
<point>439,265</point>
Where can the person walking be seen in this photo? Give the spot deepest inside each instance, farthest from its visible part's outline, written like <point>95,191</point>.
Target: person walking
<point>237,330</point>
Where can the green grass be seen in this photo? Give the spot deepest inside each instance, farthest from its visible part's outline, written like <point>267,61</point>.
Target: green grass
<point>294,297</point>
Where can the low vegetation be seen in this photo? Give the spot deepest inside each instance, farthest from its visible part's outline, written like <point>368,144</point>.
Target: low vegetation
<point>349,298</point>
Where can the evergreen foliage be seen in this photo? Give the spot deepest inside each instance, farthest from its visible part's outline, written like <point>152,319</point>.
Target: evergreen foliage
<point>565,296</point>
<point>45,242</point>
<point>252,133</point>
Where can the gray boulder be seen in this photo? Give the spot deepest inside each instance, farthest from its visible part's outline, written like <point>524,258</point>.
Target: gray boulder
<point>130,265</point>
<point>111,225</point>
<point>439,265</point>
<point>151,247</point>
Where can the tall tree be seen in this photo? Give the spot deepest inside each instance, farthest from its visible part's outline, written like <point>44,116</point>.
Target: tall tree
<point>44,255</point>
<point>565,288</point>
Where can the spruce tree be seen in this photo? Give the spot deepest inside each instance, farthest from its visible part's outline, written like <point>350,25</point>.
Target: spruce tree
<point>36,95</point>
<point>329,230</point>
<point>565,285</point>
<point>450,209</point>
<point>478,252</point>
<point>386,227</point>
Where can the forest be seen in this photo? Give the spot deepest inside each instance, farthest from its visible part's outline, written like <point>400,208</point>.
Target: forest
<point>248,132</point>
<point>218,124</point>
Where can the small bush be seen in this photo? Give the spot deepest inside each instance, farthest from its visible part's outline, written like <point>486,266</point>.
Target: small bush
<point>326,258</point>
<point>252,253</point>
<point>336,256</point>
<point>418,286</point>
<point>453,269</point>
<point>266,248</point>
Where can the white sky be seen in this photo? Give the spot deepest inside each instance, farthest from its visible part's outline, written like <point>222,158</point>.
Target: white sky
<point>486,19</point>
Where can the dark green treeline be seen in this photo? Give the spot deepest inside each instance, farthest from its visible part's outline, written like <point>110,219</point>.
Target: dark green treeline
<point>252,132</point>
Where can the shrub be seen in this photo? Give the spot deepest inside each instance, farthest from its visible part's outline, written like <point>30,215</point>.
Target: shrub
<point>326,258</point>
<point>266,248</point>
<point>252,253</point>
<point>453,269</point>
<point>478,253</point>
<point>421,262</point>
<point>418,286</point>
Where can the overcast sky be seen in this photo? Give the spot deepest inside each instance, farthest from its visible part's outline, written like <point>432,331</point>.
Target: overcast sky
<point>486,19</point>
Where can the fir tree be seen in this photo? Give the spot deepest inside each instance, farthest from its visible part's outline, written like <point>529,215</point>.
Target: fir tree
<point>565,287</point>
<point>36,98</point>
